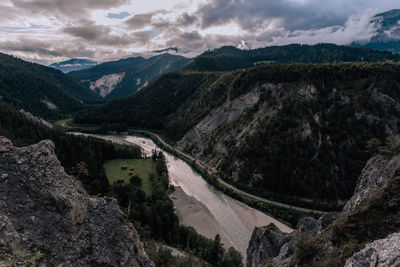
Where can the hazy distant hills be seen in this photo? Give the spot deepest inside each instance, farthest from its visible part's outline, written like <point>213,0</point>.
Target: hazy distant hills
<point>229,58</point>
<point>124,77</point>
<point>388,34</point>
<point>74,64</point>
<point>41,90</point>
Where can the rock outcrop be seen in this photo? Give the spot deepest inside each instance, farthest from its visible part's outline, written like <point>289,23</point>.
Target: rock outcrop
<point>270,247</point>
<point>48,216</point>
<point>380,253</point>
<point>376,172</point>
<point>265,244</point>
<point>370,216</point>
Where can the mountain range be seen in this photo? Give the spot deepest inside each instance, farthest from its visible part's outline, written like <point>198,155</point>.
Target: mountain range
<point>73,64</point>
<point>124,77</point>
<point>388,32</point>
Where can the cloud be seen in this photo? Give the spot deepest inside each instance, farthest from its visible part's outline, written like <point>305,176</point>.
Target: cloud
<point>110,29</point>
<point>66,7</point>
<point>289,14</point>
<point>97,34</point>
<point>45,49</point>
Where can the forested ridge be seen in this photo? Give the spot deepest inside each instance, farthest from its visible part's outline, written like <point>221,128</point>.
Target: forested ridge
<point>29,86</point>
<point>229,58</point>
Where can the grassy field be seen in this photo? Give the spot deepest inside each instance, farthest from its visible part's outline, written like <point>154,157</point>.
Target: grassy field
<point>141,167</point>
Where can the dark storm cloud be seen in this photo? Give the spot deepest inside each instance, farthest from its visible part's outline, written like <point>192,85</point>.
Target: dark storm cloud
<point>97,34</point>
<point>289,14</point>
<point>67,7</point>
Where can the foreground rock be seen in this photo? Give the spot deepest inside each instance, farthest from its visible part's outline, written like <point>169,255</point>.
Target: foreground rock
<point>265,244</point>
<point>46,216</point>
<point>371,216</point>
<point>376,172</point>
<point>380,253</point>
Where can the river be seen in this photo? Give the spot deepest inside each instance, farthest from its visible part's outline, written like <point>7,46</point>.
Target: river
<point>234,221</point>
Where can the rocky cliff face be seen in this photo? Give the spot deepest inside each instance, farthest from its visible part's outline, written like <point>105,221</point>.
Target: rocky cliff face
<point>375,174</point>
<point>371,216</point>
<point>47,217</point>
<point>380,253</point>
<point>259,138</point>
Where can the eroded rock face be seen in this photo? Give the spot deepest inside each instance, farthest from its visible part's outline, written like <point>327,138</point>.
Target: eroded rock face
<point>376,172</point>
<point>380,253</point>
<point>265,244</point>
<point>43,209</point>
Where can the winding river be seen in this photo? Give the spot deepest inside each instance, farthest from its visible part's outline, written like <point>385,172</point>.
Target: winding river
<point>235,221</point>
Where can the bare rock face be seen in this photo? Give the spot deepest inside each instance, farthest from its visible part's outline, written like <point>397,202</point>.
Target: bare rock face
<point>43,209</point>
<point>265,244</point>
<point>380,253</point>
<point>308,225</point>
<point>376,172</point>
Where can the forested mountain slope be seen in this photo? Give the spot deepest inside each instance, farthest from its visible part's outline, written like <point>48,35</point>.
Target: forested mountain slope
<point>229,58</point>
<point>295,129</point>
<point>124,77</point>
<point>41,90</point>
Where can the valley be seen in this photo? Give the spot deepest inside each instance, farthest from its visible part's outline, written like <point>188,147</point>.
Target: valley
<point>214,212</point>
<point>202,134</point>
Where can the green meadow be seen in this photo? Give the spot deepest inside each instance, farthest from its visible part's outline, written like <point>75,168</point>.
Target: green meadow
<point>141,167</point>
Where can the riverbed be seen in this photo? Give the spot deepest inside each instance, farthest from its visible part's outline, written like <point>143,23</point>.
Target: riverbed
<point>201,206</point>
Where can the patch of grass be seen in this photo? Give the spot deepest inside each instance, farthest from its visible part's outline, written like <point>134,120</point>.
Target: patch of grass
<point>141,167</point>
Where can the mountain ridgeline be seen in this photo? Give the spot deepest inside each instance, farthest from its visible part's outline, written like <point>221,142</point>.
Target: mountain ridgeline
<point>41,90</point>
<point>73,64</point>
<point>124,77</point>
<point>229,58</point>
<point>291,129</point>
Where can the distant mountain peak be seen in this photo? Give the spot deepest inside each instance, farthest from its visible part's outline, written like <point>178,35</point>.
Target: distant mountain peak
<point>387,36</point>
<point>389,14</point>
<point>74,64</point>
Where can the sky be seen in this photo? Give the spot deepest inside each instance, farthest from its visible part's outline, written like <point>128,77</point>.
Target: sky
<point>47,31</point>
